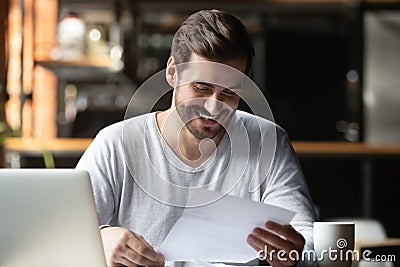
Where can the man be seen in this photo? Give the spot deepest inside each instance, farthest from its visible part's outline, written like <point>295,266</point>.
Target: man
<point>179,144</point>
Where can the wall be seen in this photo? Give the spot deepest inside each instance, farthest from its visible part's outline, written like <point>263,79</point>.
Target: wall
<point>382,79</point>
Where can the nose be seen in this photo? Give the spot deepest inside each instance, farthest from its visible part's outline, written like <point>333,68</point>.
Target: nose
<point>213,105</point>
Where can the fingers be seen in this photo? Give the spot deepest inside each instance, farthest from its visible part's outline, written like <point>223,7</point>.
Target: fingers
<point>274,256</point>
<point>142,252</point>
<point>125,262</point>
<point>287,232</point>
<point>277,241</point>
<point>133,257</point>
<point>282,236</point>
<point>123,247</point>
<point>272,239</point>
<point>255,242</point>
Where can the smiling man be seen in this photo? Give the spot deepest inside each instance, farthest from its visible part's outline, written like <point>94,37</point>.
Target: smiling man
<point>192,144</point>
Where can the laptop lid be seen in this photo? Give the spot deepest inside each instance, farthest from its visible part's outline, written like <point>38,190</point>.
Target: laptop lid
<point>48,218</point>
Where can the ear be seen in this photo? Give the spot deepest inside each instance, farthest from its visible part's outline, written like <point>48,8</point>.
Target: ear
<point>170,74</point>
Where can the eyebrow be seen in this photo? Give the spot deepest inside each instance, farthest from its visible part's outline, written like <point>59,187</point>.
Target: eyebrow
<point>204,83</point>
<point>234,87</point>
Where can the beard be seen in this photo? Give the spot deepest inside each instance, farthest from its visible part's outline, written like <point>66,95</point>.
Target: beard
<point>199,127</point>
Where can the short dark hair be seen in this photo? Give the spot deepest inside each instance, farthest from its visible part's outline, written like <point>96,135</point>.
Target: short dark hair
<point>212,34</point>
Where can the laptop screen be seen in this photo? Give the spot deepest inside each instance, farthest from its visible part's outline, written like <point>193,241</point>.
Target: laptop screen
<point>48,218</point>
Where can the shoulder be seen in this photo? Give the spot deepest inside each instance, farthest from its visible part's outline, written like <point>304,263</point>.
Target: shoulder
<point>117,129</point>
<point>267,135</point>
<point>112,136</point>
<point>255,124</point>
<point>107,147</point>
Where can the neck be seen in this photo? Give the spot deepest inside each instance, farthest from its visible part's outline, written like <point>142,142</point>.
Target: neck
<point>188,148</point>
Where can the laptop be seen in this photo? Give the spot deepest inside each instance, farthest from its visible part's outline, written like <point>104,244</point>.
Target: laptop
<point>48,218</point>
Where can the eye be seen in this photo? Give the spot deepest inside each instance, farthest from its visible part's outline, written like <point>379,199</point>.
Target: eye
<point>228,92</point>
<point>201,88</point>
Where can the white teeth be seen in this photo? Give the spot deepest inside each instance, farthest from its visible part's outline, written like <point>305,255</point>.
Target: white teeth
<point>206,117</point>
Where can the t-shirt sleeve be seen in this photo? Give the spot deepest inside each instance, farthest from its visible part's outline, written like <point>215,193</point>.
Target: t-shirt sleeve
<point>286,187</point>
<point>98,161</point>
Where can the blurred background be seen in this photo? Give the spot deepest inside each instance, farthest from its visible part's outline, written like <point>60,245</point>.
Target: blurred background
<point>328,68</point>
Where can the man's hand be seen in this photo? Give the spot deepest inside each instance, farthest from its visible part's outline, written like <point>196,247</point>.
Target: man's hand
<point>282,237</point>
<point>125,248</point>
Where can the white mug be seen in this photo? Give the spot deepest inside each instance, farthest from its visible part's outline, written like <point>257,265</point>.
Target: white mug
<point>334,243</point>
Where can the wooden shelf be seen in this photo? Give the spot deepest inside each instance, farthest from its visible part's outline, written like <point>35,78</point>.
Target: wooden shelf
<point>382,1</point>
<point>57,145</point>
<point>302,148</point>
<point>85,69</point>
<point>262,1</point>
<point>95,62</point>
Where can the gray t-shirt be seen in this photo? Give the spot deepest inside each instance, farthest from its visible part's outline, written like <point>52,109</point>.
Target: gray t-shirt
<point>130,159</point>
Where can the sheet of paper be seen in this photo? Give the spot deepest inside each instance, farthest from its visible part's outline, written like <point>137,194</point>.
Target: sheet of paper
<point>217,232</point>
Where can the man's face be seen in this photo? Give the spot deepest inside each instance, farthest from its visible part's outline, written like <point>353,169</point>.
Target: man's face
<point>206,107</point>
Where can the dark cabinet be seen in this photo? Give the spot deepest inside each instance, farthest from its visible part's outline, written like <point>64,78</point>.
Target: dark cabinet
<point>313,69</point>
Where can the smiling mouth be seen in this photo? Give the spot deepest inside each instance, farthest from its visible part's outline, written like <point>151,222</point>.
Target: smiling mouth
<point>206,118</point>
